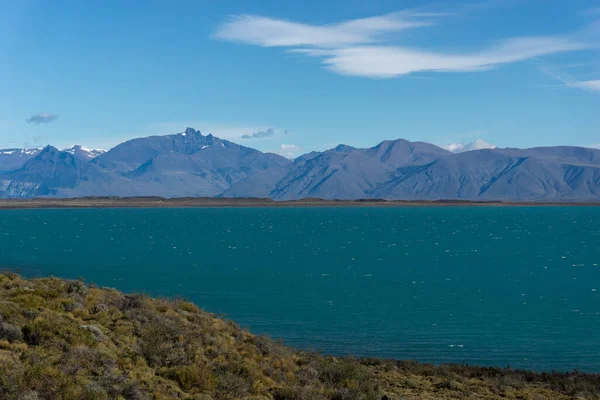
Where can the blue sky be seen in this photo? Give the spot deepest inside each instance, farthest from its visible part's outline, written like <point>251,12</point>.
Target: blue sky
<point>291,77</point>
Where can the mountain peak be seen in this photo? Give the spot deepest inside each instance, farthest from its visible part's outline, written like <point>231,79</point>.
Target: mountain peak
<point>344,148</point>
<point>83,152</point>
<point>49,149</point>
<point>191,131</point>
<point>392,142</point>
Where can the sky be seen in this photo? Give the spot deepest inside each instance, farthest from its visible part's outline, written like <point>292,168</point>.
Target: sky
<point>292,77</point>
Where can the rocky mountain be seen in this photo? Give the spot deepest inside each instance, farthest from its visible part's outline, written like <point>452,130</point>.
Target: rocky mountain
<point>196,165</point>
<point>188,163</point>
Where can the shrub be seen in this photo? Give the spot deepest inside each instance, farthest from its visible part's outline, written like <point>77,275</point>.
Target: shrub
<point>165,344</point>
<point>72,306</point>
<point>95,331</point>
<point>98,308</point>
<point>31,335</point>
<point>78,288</point>
<point>130,302</point>
<point>192,377</point>
<point>230,386</point>
<point>10,332</point>
<point>297,393</point>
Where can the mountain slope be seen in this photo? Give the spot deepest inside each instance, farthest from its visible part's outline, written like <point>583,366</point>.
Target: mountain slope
<point>57,173</point>
<point>340,173</point>
<point>539,174</point>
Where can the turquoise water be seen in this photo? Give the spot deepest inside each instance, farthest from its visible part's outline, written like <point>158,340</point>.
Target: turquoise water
<point>483,285</point>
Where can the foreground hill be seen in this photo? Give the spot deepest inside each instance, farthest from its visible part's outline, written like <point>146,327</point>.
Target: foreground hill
<point>190,164</point>
<point>62,339</point>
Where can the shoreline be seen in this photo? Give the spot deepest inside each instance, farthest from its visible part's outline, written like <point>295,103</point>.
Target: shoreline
<point>212,202</point>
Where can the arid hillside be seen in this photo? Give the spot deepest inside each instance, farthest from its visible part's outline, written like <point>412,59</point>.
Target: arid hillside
<point>65,339</point>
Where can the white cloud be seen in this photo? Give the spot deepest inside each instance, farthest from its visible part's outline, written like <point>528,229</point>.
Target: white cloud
<point>270,32</point>
<point>593,85</point>
<point>478,144</point>
<point>388,62</point>
<point>357,47</point>
<point>289,150</point>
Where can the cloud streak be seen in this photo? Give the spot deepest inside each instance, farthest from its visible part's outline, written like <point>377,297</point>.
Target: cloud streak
<point>570,81</point>
<point>42,118</point>
<point>270,32</point>
<point>260,134</point>
<point>389,62</point>
<point>358,47</point>
<point>593,85</point>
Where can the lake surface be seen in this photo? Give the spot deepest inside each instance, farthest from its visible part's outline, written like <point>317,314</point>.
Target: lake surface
<point>483,285</point>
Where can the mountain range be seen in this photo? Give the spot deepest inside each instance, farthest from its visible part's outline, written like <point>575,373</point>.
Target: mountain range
<point>190,164</point>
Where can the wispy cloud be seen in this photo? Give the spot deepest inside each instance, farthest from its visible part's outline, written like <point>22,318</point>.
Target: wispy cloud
<point>358,47</point>
<point>389,61</point>
<point>42,118</point>
<point>570,81</point>
<point>271,32</point>
<point>593,85</point>
<point>260,134</point>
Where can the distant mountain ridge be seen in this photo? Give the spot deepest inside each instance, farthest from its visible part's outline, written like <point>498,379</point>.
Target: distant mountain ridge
<point>190,164</point>
<point>14,158</point>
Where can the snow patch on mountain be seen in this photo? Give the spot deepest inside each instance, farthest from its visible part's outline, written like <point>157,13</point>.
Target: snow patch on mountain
<point>84,152</point>
<point>20,152</point>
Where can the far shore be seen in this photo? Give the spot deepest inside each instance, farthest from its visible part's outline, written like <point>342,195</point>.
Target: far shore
<point>199,202</point>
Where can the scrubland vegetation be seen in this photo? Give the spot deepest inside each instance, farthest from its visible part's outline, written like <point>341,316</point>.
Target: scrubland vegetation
<point>62,339</point>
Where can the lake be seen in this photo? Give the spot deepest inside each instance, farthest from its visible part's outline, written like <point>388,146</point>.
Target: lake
<point>482,285</point>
